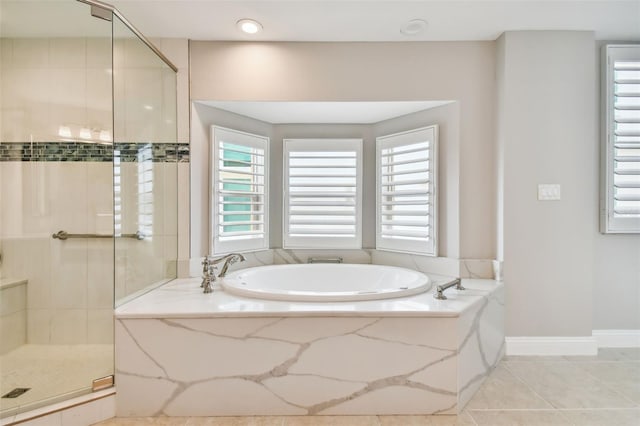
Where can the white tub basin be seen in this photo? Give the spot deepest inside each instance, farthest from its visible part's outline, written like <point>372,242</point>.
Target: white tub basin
<point>325,282</point>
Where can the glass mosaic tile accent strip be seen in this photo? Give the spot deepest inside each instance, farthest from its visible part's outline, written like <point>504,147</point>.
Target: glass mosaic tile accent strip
<point>94,152</point>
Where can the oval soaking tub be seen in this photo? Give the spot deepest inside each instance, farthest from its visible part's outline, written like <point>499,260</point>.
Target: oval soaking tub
<point>325,282</point>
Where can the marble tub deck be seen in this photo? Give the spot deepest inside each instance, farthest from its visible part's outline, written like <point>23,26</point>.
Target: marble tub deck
<point>182,353</point>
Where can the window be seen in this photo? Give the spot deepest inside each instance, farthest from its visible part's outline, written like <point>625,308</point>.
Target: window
<point>239,199</point>
<point>322,193</point>
<point>406,191</point>
<point>621,195</point>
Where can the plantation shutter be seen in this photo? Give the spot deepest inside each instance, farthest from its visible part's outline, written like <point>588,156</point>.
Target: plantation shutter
<point>323,180</point>
<point>240,191</point>
<point>623,139</point>
<point>406,216</point>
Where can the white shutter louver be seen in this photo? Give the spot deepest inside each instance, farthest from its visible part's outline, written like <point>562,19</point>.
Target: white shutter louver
<point>322,193</point>
<point>406,214</point>
<point>240,191</point>
<point>623,139</point>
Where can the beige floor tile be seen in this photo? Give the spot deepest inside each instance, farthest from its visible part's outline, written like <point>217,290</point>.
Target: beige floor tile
<point>463,419</point>
<point>504,390</point>
<point>632,353</point>
<point>519,418</point>
<point>526,358</point>
<point>630,389</point>
<point>145,421</point>
<point>236,421</point>
<point>609,354</point>
<point>331,421</point>
<point>613,372</point>
<point>621,376</point>
<point>565,385</point>
<point>623,417</point>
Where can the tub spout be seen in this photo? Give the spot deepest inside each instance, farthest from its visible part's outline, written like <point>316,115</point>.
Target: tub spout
<point>228,260</point>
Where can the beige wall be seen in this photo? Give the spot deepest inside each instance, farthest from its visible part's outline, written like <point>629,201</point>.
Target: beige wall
<point>548,134</point>
<point>461,71</point>
<point>563,277</point>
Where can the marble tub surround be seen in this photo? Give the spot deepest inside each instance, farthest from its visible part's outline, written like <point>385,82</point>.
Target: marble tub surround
<point>183,298</point>
<point>289,256</point>
<point>464,268</point>
<point>180,352</point>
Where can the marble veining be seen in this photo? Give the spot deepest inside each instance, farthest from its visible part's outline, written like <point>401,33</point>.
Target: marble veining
<point>307,365</point>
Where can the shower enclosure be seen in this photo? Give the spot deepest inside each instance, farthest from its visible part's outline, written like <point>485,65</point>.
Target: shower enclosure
<point>88,191</point>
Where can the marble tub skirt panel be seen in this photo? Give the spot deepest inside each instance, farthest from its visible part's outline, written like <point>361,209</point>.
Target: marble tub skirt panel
<point>306,365</point>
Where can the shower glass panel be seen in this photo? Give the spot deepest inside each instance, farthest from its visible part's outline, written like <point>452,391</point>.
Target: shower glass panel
<point>87,192</point>
<point>145,168</point>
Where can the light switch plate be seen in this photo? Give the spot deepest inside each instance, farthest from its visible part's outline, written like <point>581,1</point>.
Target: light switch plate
<point>548,191</point>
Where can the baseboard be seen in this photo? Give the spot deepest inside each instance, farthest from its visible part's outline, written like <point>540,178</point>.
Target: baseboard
<point>551,346</point>
<point>617,338</point>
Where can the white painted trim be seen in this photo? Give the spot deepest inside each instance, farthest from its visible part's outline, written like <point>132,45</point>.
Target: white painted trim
<point>551,346</point>
<point>617,338</point>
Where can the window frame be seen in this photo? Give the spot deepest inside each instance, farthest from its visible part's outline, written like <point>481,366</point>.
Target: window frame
<point>410,137</point>
<point>217,246</point>
<point>609,224</point>
<point>328,145</point>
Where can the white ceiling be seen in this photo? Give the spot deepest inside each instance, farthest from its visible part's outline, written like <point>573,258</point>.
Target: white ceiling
<point>324,112</point>
<point>377,20</point>
<point>329,20</point>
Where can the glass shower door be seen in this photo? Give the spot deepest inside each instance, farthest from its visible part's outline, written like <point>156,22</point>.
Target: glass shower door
<point>145,166</point>
<point>56,178</point>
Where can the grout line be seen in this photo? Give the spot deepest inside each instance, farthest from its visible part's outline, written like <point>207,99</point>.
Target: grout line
<point>529,386</point>
<point>473,419</point>
<point>605,384</point>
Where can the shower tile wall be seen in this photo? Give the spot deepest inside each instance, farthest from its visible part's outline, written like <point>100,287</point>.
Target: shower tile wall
<point>70,283</point>
<point>49,184</point>
<point>47,83</point>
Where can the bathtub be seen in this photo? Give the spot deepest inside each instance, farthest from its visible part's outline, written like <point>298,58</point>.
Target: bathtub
<point>326,282</point>
<point>180,352</point>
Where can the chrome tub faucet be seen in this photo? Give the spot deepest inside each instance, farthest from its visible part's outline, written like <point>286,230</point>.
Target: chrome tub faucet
<point>209,268</point>
<point>228,260</point>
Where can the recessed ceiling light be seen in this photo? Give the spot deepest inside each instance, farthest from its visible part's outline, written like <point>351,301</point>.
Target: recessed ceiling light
<point>249,26</point>
<point>414,27</point>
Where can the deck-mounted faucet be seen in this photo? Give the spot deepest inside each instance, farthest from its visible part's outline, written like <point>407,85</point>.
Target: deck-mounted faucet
<point>439,294</point>
<point>209,268</point>
<point>228,260</point>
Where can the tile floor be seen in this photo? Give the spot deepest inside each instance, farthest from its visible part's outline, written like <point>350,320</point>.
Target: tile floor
<point>61,370</point>
<point>602,390</point>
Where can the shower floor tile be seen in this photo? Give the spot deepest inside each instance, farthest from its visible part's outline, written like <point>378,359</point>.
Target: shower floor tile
<point>52,372</point>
